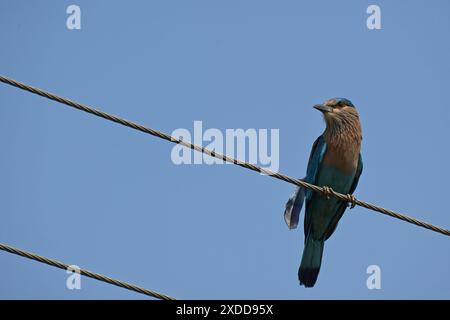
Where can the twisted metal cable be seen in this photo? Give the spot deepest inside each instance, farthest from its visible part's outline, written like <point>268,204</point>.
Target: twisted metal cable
<point>84,272</point>
<point>323,190</point>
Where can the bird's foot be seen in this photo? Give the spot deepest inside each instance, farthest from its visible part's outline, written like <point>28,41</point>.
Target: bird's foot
<point>351,201</point>
<point>327,192</point>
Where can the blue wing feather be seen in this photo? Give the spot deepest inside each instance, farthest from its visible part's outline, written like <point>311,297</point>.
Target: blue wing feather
<point>359,170</point>
<point>293,207</point>
<point>295,202</point>
<point>315,160</point>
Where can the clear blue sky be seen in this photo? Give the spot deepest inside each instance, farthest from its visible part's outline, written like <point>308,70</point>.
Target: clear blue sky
<point>89,192</point>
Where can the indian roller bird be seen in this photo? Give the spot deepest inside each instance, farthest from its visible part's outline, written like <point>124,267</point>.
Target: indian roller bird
<point>335,161</point>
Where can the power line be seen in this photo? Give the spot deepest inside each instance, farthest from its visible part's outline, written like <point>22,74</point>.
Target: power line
<point>324,190</point>
<point>84,272</point>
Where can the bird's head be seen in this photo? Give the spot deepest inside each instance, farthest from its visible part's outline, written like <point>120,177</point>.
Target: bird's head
<point>338,111</point>
<point>341,118</point>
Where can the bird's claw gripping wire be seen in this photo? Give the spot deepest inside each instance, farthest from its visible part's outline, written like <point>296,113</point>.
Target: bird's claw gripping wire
<point>327,192</point>
<point>351,201</point>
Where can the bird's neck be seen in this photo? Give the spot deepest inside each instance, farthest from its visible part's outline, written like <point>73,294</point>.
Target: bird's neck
<point>343,134</point>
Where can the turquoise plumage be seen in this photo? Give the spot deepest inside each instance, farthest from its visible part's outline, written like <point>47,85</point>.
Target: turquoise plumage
<point>335,161</point>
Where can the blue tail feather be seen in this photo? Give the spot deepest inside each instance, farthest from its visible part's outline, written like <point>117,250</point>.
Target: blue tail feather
<point>311,261</point>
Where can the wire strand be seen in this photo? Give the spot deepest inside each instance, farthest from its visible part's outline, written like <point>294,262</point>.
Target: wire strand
<point>84,272</point>
<point>324,190</point>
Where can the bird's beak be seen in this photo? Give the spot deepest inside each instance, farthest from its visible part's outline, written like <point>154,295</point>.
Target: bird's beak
<point>323,108</point>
